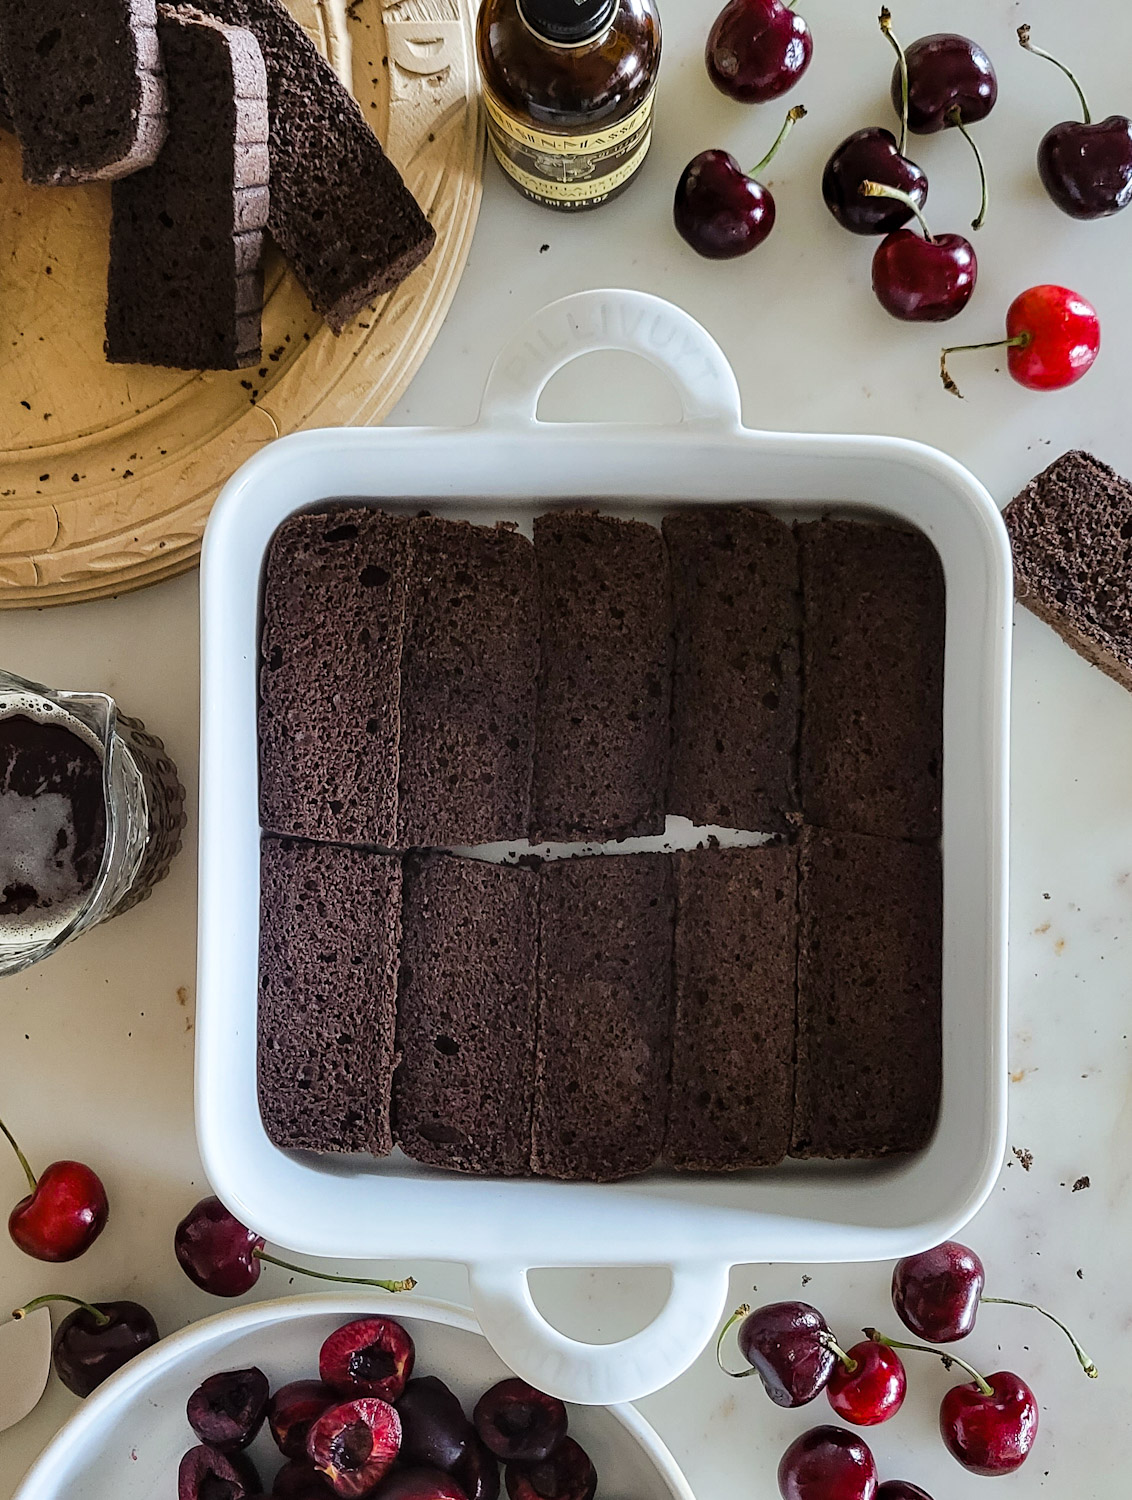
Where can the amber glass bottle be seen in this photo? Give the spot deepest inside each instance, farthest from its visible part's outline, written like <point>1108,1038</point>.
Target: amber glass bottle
<point>568,86</point>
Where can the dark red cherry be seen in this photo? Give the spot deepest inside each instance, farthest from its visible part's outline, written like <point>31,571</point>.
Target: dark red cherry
<point>936,1294</point>
<point>787,1343</point>
<point>951,81</point>
<point>227,1409</point>
<point>435,1433</point>
<point>924,280</point>
<point>478,1471</point>
<point>291,1411</point>
<point>205,1473</point>
<point>418,1484</point>
<point>567,1474</point>
<point>827,1463</point>
<point>871,154</point>
<point>300,1480</point>
<point>97,1339</point>
<point>368,1357</point>
<point>216,1251</point>
<point>873,1390</point>
<point>900,1489</point>
<point>518,1423</point>
<point>757,50</point>
<point>721,210</point>
<point>355,1444</point>
<point>990,1431</point>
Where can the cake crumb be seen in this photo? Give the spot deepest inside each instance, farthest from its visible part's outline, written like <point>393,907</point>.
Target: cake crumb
<point>1082,1182</point>
<point>1025,1158</point>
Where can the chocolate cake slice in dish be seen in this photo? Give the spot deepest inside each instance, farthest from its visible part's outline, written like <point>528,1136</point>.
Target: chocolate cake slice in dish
<point>84,86</point>
<point>340,212</point>
<point>185,287</point>
<point>330,923</point>
<point>1071,535</point>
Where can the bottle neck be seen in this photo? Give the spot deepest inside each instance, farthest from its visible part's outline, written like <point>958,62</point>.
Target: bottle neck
<point>567,23</point>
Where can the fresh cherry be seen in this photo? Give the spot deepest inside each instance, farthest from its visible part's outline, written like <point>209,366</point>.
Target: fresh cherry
<point>419,1484</point>
<point>478,1471</point>
<point>300,1480</point>
<point>207,1474</point>
<point>223,1256</point>
<point>827,1463</point>
<point>435,1433</point>
<point>989,1424</point>
<point>757,50</point>
<point>226,1410</point>
<point>96,1339</point>
<point>368,1357</point>
<point>721,210</point>
<point>790,1348</point>
<point>1086,167</point>
<point>936,1294</point>
<point>871,154</point>
<point>63,1214</point>
<point>900,1489</point>
<point>354,1445</point>
<point>1053,336</point>
<point>945,81</point>
<point>567,1474</point>
<point>518,1423</point>
<point>291,1411</point>
<point>868,1384</point>
<point>921,278</point>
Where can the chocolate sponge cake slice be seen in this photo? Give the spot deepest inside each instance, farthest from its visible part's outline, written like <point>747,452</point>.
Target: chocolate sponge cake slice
<point>1071,535</point>
<point>468,685</point>
<point>340,213</point>
<point>731,1099</point>
<point>601,736</point>
<point>330,675</point>
<point>605,1015</point>
<point>872,664</point>
<point>84,87</point>
<point>329,932</point>
<point>869,977</point>
<point>466,1015</point>
<point>736,689</point>
<point>185,286</point>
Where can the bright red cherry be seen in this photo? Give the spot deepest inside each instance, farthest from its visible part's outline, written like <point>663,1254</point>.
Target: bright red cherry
<point>990,1425</point>
<point>757,50</point>
<point>827,1463</point>
<point>722,211</point>
<point>1053,336</point>
<point>64,1213</point>
<point>868,1384</point>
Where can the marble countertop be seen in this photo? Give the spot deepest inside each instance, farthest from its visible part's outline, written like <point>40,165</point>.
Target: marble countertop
<point>96,1044</point>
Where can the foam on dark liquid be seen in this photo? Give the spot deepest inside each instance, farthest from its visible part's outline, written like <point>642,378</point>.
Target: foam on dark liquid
<point>52,818</point>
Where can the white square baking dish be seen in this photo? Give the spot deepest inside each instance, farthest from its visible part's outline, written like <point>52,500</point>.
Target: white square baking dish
<point>511,465</point>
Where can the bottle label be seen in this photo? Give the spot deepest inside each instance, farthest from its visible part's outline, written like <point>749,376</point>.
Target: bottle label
<point>569,171</point>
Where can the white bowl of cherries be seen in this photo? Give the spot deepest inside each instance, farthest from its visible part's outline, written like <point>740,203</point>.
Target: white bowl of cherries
<point>308,1398</point>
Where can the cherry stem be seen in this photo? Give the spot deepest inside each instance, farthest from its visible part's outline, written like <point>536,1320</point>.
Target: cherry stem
<point>851,1364</point>
<point>886,27</point>
<point>736,1316</point>
<point>794,115</point>
<point>881,190</point>
<point>1024,39</point>
<point>1085,1362</point>
<point>949,1359</point>
<point>406,1285</point>
<point>955,117</point>
<point>1019,341</point>
<point>101,1319</point>
<point>15,1145</point>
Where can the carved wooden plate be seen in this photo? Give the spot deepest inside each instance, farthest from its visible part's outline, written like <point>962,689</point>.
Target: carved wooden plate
<point>108,472</point>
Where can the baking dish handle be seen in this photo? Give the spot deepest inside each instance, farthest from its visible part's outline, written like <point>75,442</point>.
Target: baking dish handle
<point>598,1374</point>
<point>616,318</point>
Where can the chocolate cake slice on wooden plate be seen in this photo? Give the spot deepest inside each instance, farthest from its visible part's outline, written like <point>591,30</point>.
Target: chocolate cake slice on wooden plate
<point>330,675</point>
<point>185,287</point>
<point>466,1015</point>
<point>330,922</point>
<point>736,690</point>
<point>869,992</point>
<point>1071,534</point>
<point>605,1015</point>
<point>601,736</point>
<point>732,1093</point>
<point>340,213</point>
<point>84,86</point>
